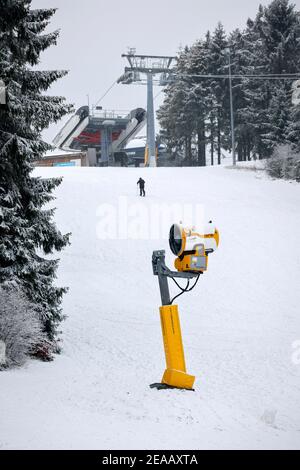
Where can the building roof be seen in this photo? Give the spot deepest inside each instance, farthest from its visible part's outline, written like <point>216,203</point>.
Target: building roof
<point>57,152</point>
<point>139,142</point>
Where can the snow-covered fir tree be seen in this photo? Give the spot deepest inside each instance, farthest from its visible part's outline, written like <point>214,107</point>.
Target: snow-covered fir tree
<point>279,117</point>
<point>280,32</point>
<point>201,93</point>
<point>175,114</point>
<point>27,230</point>
<point>254,112</point>
<point>218,66</point>
<point>293,132</point>
<point>241,47</point>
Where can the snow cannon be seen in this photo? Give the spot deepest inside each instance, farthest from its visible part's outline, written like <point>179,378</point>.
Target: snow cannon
<point>192,248</point>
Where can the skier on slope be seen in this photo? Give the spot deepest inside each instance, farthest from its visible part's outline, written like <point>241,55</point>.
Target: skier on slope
<point>141,184</point>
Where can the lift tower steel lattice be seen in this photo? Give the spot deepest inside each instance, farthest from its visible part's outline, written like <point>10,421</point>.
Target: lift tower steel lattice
<point>151,66</point>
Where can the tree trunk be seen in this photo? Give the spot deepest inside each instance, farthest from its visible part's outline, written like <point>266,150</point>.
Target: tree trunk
<point>212,142</point>
<point>249,150</point>
<point>244,151</point>
<point>201,145</point>
<point>239,151</point>
<point>188,149</point>
<point>219,142</point>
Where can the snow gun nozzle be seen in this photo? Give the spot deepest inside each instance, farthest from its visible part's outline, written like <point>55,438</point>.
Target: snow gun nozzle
<point>192,246</point>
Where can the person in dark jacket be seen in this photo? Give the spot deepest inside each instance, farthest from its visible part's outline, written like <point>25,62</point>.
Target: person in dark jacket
<point>141,184</point>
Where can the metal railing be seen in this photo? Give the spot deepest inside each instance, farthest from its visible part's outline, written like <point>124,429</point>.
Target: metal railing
<point>110,114</point>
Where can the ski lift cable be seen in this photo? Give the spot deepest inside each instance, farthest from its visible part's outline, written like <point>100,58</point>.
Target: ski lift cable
<point>157,95</point>
<point>106,93</point>
<point>289,76</point>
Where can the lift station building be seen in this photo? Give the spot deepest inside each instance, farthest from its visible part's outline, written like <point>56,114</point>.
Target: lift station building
<point>102,135</point>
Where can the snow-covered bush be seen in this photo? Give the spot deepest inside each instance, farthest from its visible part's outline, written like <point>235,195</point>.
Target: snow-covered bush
<point>20,329</point>
<point>284,163</point>
<point>274,167</point>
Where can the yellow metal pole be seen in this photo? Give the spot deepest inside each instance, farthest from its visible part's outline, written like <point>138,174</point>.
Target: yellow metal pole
<point>175,374</point>
<point>146,156</point>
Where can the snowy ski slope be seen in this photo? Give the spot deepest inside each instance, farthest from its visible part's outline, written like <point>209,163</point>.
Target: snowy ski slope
<point>239,325</point>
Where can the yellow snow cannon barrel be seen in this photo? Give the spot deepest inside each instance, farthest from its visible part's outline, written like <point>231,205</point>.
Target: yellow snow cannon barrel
<point>192,248</point>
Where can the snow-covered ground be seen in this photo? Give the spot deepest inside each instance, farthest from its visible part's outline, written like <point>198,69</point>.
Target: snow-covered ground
<point>241,326</point>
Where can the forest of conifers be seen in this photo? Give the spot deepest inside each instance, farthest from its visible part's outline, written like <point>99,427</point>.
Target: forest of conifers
<point>265,64</point>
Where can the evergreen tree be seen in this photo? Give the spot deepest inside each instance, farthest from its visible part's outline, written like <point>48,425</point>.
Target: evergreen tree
<point>240,58</point>
<point>279,118</point>
<point>257,92</point>
<point>201,93</point>
<point>218,66</point>
<point>280,33</point>
<point>175,113</point>
<point>294,127</point>
<point>27,230</point>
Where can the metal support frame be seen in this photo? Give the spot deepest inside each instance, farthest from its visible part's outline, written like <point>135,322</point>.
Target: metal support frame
<point>175,374</point>
<point>106,138</point>
<point>163,272</point>
<point>149,65</point>
<point>150,122</point>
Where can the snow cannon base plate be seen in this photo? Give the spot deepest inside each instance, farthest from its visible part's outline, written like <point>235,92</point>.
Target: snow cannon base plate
<point>160,386</point>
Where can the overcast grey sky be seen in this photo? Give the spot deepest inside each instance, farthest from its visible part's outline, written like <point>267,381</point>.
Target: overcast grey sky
<point>94,34</point>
